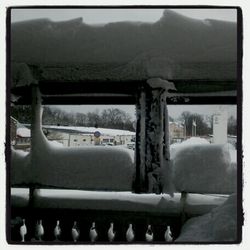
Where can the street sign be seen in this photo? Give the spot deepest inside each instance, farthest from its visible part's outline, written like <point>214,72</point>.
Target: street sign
<point>97,134</point>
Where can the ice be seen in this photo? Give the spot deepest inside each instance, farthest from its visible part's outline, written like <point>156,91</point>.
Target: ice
<point>204,169</point>
<point>219,225</point>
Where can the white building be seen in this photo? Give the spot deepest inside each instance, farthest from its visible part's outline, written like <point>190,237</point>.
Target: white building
<point>84,136</point>
<point>23,137</point>
<point>220,127</point>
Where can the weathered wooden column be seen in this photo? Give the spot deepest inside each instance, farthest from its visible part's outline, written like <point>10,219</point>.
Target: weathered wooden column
<point>153,169</point>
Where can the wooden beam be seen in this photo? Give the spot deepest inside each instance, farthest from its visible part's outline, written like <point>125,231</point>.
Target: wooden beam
<point>152,140</point>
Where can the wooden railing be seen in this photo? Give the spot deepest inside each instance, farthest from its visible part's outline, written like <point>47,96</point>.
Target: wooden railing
<point>35,222</point>
<point>62,231</point>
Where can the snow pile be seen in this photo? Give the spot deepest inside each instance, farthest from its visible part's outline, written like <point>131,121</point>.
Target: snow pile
<point>56,144</point>
<point>19,197</point>
<point>199,204</point>
<point>23,132</point>
<point>19,173</point>
<point>131,152</point>
<point>204,169</point>
<point>99,200</point>
<point>233,154</point>
<point>191,141</point>
<point>90,168</point>
<point>195,140</point>
<point>220,225</point>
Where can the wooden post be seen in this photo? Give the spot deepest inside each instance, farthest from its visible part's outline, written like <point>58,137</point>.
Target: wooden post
<point>37,138</point>
<point>140,185</point>
<point>153,170</point>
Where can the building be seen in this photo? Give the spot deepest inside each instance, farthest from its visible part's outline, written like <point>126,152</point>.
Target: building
<point>20,135</point>
<point>23,138</point>
<point>84,136</point>
<point>176,132</point>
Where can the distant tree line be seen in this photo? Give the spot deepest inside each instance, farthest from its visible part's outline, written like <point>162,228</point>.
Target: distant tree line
<point>204,124</point>
<point>203,127</point>
<point>109,118</point>
<point>115,118</point>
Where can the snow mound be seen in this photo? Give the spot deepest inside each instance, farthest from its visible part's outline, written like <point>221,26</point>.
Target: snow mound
<point>55,143</point>
<point>23,132</point>
<point>19,173</point>
<point>204,169</point>
<point>87,168</point>
<point>195,141</point>
<point>191,141</point>
<point>220,225</point>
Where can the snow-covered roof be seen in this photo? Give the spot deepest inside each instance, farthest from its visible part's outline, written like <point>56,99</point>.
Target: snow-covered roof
<point>90,130</point>
<point>173,48</point>
<point>178,124</point>
<point>23,132</point>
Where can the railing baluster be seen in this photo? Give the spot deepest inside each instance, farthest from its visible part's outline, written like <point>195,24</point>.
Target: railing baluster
<point>57,230</point>
<point>111,233</point>
<point>168,235</point>
<point>39,230</point>
<point>23,231</point>
<point>149,234</point>
<point>130,235</point>
<point>75,232</point>
<point>93,233</point>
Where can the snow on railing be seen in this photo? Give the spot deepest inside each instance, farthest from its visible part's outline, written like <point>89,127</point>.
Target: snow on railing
<point>37,233</point>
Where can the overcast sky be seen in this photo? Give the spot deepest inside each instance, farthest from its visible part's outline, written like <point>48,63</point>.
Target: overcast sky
<point>96,16</point>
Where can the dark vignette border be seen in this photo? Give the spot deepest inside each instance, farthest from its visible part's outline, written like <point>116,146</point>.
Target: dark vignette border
<point>201,101</point>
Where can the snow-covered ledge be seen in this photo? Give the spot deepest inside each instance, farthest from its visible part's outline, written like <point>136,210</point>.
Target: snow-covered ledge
<point>153,169</point>
<point>82,168</point>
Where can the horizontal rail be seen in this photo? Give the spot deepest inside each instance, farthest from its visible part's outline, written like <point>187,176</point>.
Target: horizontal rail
<point>194,204</point>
